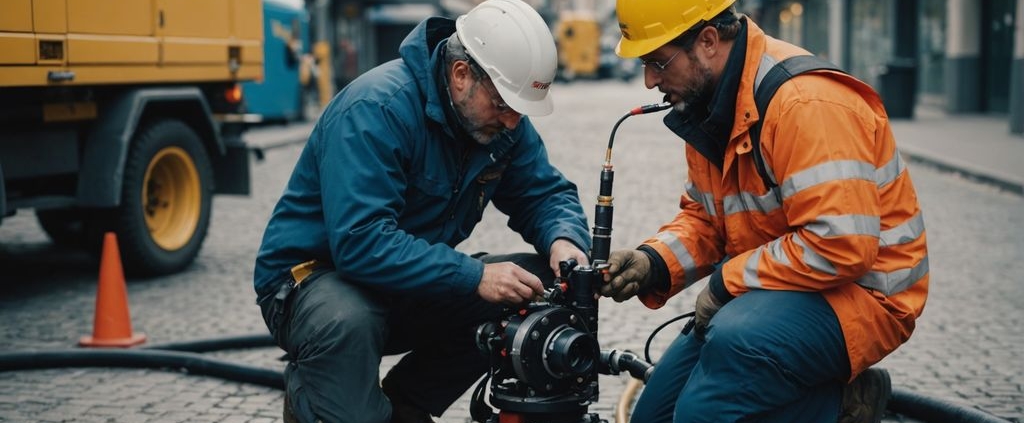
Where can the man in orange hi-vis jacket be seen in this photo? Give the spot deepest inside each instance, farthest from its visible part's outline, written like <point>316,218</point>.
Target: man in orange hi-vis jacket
<point>800,209</point>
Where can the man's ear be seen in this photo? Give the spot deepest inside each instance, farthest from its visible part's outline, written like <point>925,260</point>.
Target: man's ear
<point>707,41</point>
<point>461,76</point>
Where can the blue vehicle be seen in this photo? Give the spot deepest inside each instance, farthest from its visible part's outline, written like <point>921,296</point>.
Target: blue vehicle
<point>287,86</point>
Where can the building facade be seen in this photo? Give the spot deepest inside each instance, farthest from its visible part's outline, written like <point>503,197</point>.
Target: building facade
<point>962,56</point>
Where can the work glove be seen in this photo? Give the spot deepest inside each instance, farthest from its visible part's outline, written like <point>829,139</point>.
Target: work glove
<point>629,271</point>
<point>706,307</point>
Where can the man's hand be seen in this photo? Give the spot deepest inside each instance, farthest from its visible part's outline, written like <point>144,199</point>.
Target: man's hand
<point>706,307</point>
<point>628,273</point>
<point>507,283</point>
<point>563,249</point>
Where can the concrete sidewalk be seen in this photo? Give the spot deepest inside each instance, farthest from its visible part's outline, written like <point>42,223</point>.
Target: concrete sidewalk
<point>979,147</point>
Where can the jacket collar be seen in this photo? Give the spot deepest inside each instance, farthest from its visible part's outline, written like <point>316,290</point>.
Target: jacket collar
<point>708,126</point>
<point>421,52</point>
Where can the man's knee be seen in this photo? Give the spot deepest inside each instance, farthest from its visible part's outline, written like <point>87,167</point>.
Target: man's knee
<point>329,317</point>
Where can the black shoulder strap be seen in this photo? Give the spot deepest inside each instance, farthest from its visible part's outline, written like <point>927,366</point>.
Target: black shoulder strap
<point>773,79</point>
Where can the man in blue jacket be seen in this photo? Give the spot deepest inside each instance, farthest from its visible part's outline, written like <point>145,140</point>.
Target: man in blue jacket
<point>357,260</point>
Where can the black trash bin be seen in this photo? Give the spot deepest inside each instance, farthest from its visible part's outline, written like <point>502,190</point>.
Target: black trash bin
<point>898,87</point>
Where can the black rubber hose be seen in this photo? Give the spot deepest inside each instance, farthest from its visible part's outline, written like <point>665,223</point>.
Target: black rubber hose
<point>184,356</point>
<point>930,409</point>
<point>192,363</point>
<point>614,362</point>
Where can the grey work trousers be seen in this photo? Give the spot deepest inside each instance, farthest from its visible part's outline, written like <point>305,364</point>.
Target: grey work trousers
<point>336,332</point>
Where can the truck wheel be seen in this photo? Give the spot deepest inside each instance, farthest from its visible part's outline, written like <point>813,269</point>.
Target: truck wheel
<point>65,227</point>
<point>165,200</point>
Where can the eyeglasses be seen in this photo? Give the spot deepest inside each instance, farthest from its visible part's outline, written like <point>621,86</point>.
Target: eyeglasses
<point>492,91</point>
<point>656,66</point>
<point>495,98</point>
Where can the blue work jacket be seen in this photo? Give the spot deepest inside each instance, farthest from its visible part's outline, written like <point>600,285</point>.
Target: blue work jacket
<point>384,190</point>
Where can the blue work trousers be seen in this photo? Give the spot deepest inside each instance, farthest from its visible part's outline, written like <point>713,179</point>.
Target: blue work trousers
<point>335,333</point>
<point>768,356</point>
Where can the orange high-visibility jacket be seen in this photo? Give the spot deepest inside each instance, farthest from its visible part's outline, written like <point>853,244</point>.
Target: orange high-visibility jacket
<point>844,219</point>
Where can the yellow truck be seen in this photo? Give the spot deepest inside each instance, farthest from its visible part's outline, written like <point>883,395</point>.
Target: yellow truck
<point>578,36</point>
<point>125,116</point>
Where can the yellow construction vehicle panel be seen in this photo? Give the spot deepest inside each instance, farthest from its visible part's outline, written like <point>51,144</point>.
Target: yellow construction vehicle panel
<point>17,48</point>
<point>194,50</point>
<point>26,76</point>
<point>16,15</point>
<point>252,55</point>
<point>579,45</point>
<point>82,42</point>
<point>247,21</point>
<point>101,49</point>
<point>195,18</point>
<point>112,17</point>
<point>50,16</point>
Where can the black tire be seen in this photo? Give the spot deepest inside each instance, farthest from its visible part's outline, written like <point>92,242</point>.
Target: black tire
<point>165,201</point>
<point>65,227</point>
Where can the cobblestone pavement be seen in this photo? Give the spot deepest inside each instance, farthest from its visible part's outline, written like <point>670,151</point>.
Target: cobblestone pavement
<point>968,347</point>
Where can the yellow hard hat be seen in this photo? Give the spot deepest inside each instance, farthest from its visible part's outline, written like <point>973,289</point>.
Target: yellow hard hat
<point>649,24</point>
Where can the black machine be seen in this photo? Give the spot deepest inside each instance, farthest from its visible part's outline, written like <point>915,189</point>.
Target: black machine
<point>545,356</point>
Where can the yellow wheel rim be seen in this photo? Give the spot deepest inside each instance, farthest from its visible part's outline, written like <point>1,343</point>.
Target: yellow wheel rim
<point>171,198</point>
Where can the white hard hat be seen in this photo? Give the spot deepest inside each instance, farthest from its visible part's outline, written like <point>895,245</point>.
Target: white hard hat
<point>513,44</point>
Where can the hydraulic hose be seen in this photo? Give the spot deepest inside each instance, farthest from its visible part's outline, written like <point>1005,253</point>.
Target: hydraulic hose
<point>930,409</point>
<point>192,363</point>
<point>614,362</point>
<point>183,356</point>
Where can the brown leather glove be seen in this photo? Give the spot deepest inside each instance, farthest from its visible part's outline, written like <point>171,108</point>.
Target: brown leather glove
<point>629,271</point>
<point>706,307</point>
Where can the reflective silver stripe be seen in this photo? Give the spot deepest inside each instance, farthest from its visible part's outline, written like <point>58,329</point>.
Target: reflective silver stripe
<point>682,254</point>
<point>813,259</point>
<point>750,278</point>
<point>775,247</point>
<point>767,63</point>
<point>705,199</point>
<point>906,232</point>
<point>825,172</point>
<point>771,172</point>
<point>847,224</point>
<point>748,201</point>
<point>890,171</point>
<point>897,281</point>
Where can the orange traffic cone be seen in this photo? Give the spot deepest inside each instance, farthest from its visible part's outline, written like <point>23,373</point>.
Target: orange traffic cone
<point>112,326</point>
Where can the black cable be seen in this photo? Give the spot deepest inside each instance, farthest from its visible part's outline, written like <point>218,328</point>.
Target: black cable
<point>903,401</point>
<point>647,345</point>
<point>192,363</point>
<point>930,409</point>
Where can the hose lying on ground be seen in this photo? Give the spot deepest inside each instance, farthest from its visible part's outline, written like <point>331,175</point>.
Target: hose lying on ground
<point>185,356</point>
<point>930,409</point>
<point>192,363</point>
<point>178,356</point>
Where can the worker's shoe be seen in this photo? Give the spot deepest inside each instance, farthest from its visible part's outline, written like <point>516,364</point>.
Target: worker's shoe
<point>865,398</point>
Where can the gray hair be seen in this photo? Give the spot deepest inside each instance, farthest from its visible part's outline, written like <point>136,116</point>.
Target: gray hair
<point>456,51</point>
